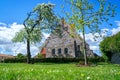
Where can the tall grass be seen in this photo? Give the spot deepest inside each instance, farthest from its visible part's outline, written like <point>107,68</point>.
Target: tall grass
<point>49,71</point>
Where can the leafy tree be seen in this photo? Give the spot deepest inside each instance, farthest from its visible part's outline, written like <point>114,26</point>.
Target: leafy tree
<point>20,55</point>
<point>110,45</point>
<point>87,15</point>
<point>39,55</point>
<point>41,19</point>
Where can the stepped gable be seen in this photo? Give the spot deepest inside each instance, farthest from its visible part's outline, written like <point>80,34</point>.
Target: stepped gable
<point>69,45</point>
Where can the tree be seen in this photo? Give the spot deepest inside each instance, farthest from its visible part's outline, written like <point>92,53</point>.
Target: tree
<point>110,45</point>
<point>20,55</point>
<point>86,14</point>
<point>39,55</point>
<point>41,19</point>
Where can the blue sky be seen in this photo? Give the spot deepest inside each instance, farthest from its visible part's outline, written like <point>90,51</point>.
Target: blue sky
<point>16,10</point>
<point>13,13</point>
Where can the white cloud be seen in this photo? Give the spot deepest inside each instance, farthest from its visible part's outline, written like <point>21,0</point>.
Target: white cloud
<point>7,46</point>
<point>94,48</point>
<point>118,23</point>
<point>2,24</point>
<point>7,33</point>
<point>89,37</point>
<point>46,35</point>
<point>94,45</point>
<point>116,30</point>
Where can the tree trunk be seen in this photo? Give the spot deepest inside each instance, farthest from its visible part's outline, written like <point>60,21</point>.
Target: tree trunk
<point>28,52</point>
<point>84,48</point>
<point>75,48</point>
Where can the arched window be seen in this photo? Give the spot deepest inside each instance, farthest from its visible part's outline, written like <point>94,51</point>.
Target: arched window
<point>53,51</point>
<point>78,48</point>
<point>66,50</point>
<point>59,51</point>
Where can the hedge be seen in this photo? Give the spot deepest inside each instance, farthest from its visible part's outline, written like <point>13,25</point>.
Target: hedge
<point>15,60</point>
<point>52,60</point>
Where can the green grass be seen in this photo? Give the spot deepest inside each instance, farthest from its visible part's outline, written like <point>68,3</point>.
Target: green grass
<point>50,71</point>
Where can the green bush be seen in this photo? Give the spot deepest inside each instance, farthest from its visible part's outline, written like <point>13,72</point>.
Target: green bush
<point>56,60</point>
<point>53,60</point>
<point>109,46</point>
<point>15,60</point>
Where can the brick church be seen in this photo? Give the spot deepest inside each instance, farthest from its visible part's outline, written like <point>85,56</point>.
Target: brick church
<point>70,45</point>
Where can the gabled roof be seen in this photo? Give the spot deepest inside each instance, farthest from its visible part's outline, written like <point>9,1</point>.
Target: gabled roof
<point>7,56</point>
<point>43,51</point>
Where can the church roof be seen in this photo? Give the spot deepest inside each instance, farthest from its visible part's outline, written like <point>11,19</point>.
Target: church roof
<point>43,51</point>
<point>7,56</point>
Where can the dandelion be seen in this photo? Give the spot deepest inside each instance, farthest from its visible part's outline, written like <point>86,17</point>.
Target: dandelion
<point>88,77</point>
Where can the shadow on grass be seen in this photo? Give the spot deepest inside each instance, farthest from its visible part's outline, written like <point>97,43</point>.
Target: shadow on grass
<point>47,63</point>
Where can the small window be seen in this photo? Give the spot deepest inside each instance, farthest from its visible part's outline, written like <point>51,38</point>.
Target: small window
<point>78,47</point>
<point>66,50</point>
<point>53,51</point>
<point>59,51</point>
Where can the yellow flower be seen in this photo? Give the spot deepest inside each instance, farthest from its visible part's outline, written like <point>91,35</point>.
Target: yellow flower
<point>72,26</point>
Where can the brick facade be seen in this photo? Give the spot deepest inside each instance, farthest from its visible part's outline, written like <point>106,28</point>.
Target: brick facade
<point>69,45</point>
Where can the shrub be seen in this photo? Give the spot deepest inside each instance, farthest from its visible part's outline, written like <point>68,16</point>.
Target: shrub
<point>52,60</point>
<point>15,60</point>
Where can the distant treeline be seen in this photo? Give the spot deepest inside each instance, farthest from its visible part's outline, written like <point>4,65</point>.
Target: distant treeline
<point>110,45</point>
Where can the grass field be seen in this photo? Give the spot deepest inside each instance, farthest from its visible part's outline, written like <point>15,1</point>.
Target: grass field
<point>50,71</point>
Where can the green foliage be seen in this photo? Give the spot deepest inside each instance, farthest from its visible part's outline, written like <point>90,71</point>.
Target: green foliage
<point>20,36</point>
<point>45,11</point>
<point>39,55</point>
<point>46,16</point>
<point>35,36</point>
<point>51,71</point>
<point>40,19</point>
<point>20,55</point>
<point>86,15</point>
<point>110,45</point>
<point>15,60</point>
<point>53,60</point>
<point>37,21</point>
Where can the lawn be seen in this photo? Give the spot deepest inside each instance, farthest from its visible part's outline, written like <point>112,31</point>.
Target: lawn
<point>51,71</point>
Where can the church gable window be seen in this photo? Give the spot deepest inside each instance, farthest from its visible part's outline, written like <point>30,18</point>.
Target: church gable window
<point>53,51</point>
<point>66,50</point>
<point>78,48</point>
<point>59,51</point>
